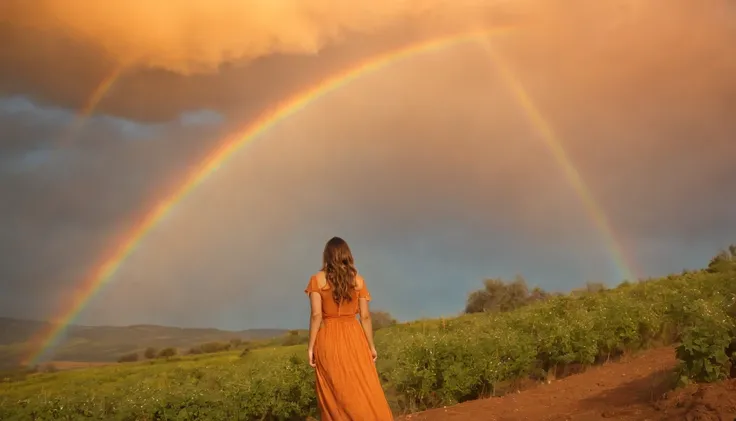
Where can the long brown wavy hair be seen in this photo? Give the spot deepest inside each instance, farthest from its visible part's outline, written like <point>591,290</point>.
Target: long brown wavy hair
<point>339,268</point>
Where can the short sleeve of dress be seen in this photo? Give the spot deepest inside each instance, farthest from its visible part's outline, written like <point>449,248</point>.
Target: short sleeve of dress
<point>312,286</point>
<point>362,289</point>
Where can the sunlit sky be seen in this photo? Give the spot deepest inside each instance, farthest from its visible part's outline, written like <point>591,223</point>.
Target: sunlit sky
<point>431,168</point>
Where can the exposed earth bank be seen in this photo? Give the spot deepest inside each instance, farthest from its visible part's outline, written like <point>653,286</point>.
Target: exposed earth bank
<point>637,388</point>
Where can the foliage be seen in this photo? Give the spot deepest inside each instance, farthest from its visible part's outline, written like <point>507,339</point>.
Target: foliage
<point>150,353</point>
<point>294,338</point>
<point>498,295</point>
<point>17,373</point>
<point>590,288</point>
<point>706,348</point>
<point>381,319</point>
<point>167,353</point>
<point>422,364</point>
<point>724,262</point>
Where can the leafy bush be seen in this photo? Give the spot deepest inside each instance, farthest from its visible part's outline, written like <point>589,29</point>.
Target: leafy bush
<point>381,319</point>
<point>706,345</point>
<point>167,353</point>
<point>294,338</point>
<point>150,353</point>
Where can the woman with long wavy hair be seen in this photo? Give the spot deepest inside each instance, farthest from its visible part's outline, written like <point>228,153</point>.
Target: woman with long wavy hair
<point>340,349</point>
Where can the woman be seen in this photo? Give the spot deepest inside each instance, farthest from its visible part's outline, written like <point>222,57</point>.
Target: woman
<point>343,354</point>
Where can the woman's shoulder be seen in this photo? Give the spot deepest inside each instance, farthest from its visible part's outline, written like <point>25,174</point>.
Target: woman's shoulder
<point>359,282</point>
<point>321,279</point>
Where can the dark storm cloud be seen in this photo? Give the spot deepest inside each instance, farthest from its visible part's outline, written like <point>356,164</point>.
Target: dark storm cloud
<point>64,201</point>
<point>431,169</point>
<point>221,55</point>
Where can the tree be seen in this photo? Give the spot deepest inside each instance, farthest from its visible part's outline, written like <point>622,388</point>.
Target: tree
<point>478,301</point>
<point>624,284</point>
<point>538,294</point>
<point>167,352</point>
<point>595,287</point>
<point>517,294</point>
<point>589,288</point>
<point>498,295</point>
<point>381,319</point>
<point>723,262</point>
<point>150,353</point>
<point>490,298</point>
<point>293,338</point>
<point>128,358</point>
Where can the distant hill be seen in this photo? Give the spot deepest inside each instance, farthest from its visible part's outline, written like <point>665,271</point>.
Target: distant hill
<point>108,343</point>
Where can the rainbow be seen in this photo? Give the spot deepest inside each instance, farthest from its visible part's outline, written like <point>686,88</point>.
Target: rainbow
<point>99,93</point>
<point>46,339</point>
<point>89,106</point>
<point>554,145</point>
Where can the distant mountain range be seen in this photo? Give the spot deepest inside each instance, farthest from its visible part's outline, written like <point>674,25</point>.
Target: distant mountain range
<point>108,343</point>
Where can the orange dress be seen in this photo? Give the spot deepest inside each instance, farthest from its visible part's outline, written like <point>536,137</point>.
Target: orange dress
<point>348,388</point>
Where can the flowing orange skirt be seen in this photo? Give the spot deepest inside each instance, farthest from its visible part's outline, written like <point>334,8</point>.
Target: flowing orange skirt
<point>348,388</point>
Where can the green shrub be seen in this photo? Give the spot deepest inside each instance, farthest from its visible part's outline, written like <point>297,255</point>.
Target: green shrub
<point>150,353</point>
<point>167,353</point>
<point>705,348</point>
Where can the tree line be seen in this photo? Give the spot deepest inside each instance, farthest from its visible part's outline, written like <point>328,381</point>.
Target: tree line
<point>498,295</point>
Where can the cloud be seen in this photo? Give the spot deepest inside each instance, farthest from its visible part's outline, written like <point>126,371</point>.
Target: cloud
<point>432,168</point>
<point>66,195</point>
<point>200,117</point>
<point>195,35</point>
<point>176,56</point>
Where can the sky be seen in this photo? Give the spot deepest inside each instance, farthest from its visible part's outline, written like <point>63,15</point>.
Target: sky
<point>431,168</point>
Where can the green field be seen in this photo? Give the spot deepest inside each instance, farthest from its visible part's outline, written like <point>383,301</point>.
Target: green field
<point>422,364</point>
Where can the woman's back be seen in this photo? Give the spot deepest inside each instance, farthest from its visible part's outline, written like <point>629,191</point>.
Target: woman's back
<point>330,309</point>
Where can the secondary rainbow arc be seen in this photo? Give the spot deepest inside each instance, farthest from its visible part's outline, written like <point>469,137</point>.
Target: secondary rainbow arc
<point>560,155</point>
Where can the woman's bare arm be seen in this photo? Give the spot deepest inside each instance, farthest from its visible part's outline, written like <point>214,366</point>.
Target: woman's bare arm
<point>315,320</point>
<point>365,321</point>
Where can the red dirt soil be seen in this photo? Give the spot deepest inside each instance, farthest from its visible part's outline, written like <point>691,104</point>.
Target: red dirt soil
<point>638,388</point>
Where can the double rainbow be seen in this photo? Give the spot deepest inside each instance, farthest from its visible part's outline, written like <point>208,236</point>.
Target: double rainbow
<point>46,339</point>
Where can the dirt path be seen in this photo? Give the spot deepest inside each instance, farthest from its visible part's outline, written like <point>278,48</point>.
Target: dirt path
<point>636,389</point>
